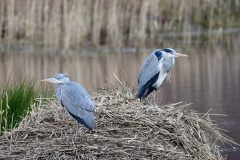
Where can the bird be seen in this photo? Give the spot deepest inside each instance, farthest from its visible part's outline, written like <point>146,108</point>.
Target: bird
<point>75,99</point>
<point>154,70</point>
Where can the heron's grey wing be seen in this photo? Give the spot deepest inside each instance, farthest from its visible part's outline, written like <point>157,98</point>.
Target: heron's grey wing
<point>78,103</point>
<point>148,76</point>
<point>149,69</point>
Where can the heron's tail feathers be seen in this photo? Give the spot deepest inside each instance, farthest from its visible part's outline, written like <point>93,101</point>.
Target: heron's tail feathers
<point>145,93</point>
<point>140,94</point>
<point>147,88</point>
<point>87,120</point>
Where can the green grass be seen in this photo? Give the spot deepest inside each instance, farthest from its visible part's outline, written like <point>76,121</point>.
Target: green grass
<point>16,100</point>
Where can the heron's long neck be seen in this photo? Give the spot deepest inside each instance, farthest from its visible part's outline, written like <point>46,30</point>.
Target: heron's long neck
<point>168,63</point>
<point>58,91</point>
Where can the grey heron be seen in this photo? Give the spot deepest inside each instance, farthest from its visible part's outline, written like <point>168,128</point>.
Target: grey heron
<point>75,99</point>
<point>155,69</point>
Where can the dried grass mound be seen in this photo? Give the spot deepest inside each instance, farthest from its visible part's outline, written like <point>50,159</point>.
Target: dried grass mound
<point>125,129</point>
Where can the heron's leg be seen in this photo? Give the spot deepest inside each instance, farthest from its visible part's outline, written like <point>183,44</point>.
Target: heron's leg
<point>154,97</point>
<point>76,133</point>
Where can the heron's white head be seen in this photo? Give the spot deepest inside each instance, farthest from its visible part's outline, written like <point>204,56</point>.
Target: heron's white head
<point>58,79</point>
<point>169,52</point>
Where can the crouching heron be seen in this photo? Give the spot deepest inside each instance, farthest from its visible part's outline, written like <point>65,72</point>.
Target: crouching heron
<point>75,99</point>
<point>155,69</point>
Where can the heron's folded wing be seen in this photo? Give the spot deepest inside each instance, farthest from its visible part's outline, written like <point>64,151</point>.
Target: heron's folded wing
<point>149,69</point>
<point>76,99</point>
<point>78,103</point>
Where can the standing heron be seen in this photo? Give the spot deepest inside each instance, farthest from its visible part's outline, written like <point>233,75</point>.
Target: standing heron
<point>75,99</point>
<point>155,69</point>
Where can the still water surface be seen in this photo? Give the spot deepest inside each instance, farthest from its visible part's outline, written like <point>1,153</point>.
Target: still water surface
<point>209,78</point>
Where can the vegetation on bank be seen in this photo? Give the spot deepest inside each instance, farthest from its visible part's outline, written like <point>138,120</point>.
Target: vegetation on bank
<point>125,128</point>
<point>16,101</point>
<point>71,24</point>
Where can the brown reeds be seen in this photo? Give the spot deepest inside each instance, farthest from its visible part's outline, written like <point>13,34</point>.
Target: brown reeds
<point>70,24</point>
<point>125,129</point>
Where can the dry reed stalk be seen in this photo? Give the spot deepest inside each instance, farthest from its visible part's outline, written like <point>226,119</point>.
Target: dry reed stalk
<point>125,129</point>
<point>70,24</point>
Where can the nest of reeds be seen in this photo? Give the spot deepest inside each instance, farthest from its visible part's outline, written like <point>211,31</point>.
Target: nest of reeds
<point>125,129</point>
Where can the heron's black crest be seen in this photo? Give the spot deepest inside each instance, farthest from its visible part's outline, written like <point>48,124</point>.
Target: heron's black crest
<point>168,50</point>
<point>158,54</point>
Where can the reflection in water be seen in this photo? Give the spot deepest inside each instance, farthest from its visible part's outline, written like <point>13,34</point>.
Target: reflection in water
<point>209,78</point>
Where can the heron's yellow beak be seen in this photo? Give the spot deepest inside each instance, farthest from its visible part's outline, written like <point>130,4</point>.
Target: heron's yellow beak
<point>52,80</point>
<point>180,55</point>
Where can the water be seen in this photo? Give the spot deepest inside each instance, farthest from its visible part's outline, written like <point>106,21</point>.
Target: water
<point>209,78</point>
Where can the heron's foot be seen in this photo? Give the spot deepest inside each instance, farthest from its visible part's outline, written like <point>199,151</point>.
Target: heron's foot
<point>90,131</point>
